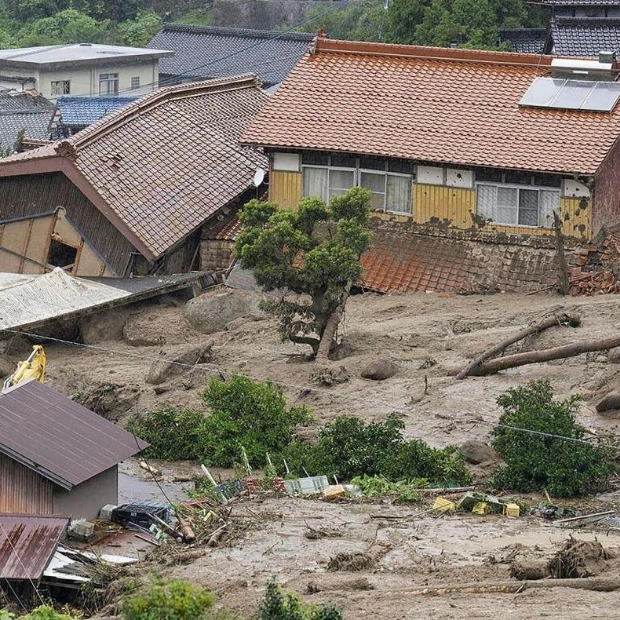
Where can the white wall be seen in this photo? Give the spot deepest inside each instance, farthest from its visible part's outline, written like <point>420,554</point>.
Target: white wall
<point>84,81</point>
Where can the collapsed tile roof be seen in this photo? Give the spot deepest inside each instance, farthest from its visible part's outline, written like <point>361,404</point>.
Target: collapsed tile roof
<point>206,52</point>
<point>84,111</point>
<point>576,36</point>
<point>430,104</point>
<point>27,544</point>
<point>58,438</point>
<point>26,111</point>
<point>160,166</point>
<point>525,40</point>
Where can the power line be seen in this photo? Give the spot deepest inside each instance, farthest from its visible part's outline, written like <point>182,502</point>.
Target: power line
<point>553,436</point>
<point>334,6</point>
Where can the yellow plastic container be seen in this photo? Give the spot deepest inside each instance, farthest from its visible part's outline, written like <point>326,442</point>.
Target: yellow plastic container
<point>480,508</point>
<point>444,505</point>
<point>512,510</point>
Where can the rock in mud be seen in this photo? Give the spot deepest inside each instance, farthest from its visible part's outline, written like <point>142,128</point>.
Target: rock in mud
<point>350,561</point>
<point>141,334</point>
<point>613,356</point>
<point>176,361</point>
<point>609,402</point>
<point>109,400</point>
<point>104,326</point>
<point>529,571</point>
<point>477,452</point>
<point>380,370</point>
<point>212,311</point>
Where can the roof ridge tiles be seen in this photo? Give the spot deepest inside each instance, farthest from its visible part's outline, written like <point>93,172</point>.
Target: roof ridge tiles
<point>153,100</point>
<point>238,32</point>
<point>323,45</point>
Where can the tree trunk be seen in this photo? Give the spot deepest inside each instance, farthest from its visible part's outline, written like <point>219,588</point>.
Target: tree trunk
<point>598,584</point>
<point>556,353</point>
<point>564,318</point>
<point>331,326</point>
<point>559,250</point>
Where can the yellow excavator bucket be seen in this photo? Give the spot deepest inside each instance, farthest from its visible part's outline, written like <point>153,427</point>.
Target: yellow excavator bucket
<point>32,368</point>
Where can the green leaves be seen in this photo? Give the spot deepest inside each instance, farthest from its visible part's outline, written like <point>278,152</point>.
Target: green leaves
<point>313,250</point>
<point>534,461</point>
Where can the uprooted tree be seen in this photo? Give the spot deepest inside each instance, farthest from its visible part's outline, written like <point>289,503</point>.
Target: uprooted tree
<point>313,251</point>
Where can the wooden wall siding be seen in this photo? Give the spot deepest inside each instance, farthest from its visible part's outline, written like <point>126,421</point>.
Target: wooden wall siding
<point>42,193</point>
<point>444,203</point>
<point>285,188</point>
<point>22,491</point>
<point>457,206</point>
<point>25,238</point>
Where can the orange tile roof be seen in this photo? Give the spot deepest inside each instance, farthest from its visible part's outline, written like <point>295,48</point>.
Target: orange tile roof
<point>162,165</point>
<point>408,262</point>
<point>429,104</point>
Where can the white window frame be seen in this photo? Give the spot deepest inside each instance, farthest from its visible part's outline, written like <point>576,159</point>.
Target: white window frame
<point>517,186</point>
<point>65,89</point>
<point>357,176</point>
<point>109,79</point>
<point>135,82</point>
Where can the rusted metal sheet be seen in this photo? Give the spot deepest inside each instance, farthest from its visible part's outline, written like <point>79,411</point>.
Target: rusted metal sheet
<point>22,491</point>
<point>57,437</point>
<point>27,544</point>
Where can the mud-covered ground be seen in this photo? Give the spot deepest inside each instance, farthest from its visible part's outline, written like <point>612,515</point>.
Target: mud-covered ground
<point>429,337</point>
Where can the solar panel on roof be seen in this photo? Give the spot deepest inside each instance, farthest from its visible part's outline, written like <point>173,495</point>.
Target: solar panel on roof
<point>561,94</point>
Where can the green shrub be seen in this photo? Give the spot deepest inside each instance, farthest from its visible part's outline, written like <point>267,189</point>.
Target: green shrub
<point>174,434</point>
<point>44,612</point>
<point>535,462</point>
<point>177,600</point>
<point>248,414</point>
<point>244,413</point>
<point>280,605</point>
<point>348,447</point>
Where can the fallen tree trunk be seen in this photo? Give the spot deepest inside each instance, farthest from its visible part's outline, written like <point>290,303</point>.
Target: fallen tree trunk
<point>546,355</point>
<point>598,584</point>
<point>563,318</point>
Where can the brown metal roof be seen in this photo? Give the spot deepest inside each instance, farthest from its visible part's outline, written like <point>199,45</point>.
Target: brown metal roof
<point>27,544</point>
<point>58,438</point>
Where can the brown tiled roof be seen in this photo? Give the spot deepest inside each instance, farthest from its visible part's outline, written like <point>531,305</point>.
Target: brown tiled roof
<point>408,262</point>
<point>57,437</point>
<point>430,104</point>
<point>27,544</point>
<point>160,166</point>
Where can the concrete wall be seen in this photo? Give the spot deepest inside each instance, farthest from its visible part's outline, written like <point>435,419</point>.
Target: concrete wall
<point>262,14</point>
<point>85,500</point>
<point>84,81</point>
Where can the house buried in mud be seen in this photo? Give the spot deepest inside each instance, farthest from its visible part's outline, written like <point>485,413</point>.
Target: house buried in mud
<point>129,195</point>
<point>57,457</point>
<point>467,154</point>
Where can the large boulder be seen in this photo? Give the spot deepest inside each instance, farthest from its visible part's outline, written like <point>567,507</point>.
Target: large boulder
<point>7,366</point>
<point>379,370</point>
<point>178,361</point>
<point>477,452</point>
<point>212,311</point>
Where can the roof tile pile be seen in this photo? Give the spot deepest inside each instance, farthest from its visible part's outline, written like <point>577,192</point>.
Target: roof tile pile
<point>430,104</point>
<point>206,52</point>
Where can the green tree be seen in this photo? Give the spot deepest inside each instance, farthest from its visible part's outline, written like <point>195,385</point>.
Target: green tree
<point>139,31</point>
<point>402,19</point>
<point>554,455</point>
<point>69,26</point>
<point>315,251</point>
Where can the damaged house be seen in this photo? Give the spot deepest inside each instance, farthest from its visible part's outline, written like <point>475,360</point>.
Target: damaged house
<point>457,146</point>
<point>57,457</point>
<point>131,193</point>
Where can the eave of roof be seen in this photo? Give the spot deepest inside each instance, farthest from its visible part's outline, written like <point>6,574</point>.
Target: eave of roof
<point>451,106</point>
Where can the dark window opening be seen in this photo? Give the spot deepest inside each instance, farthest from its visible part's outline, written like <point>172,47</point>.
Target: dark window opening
<point>61,254</point>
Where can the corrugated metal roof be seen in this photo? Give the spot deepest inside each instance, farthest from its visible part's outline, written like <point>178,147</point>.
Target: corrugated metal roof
<point>84,111</point>
<point>57,437</point>
<point>50,295</point>
<point>27,544</point>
